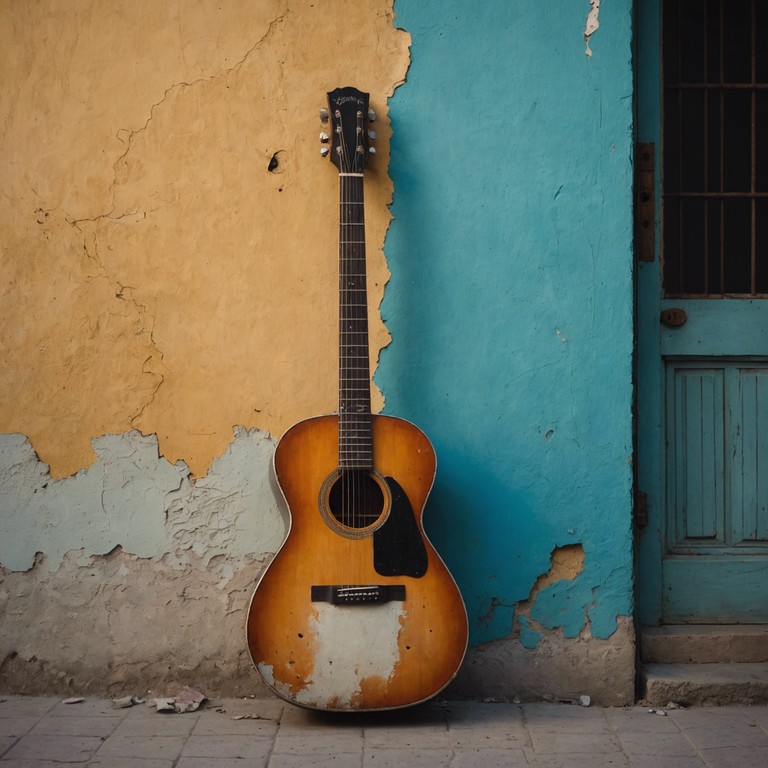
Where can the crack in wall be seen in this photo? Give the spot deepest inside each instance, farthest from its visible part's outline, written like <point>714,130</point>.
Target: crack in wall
<point>168,245</point>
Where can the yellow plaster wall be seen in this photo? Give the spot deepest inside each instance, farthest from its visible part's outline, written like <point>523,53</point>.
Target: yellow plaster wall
<point>157,275</point>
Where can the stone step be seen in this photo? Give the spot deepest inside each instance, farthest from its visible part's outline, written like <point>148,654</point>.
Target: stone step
<point>704,643</point>
<point>704,684</point>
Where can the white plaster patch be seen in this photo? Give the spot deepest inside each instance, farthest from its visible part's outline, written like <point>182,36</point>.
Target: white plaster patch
<point>134,499</point>
<point>592,24</point>
<point>351,643</point>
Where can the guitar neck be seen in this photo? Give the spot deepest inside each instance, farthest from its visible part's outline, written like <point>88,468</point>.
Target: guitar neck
<point>355,445</point>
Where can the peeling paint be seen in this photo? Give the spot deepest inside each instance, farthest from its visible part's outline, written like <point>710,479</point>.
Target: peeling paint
<point>358,647</point>
<point>132,498</point>
<point>592,24</point>
<point>566,564</point>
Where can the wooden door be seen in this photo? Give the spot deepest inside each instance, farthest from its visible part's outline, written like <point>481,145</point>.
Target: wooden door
<point>703,312</point>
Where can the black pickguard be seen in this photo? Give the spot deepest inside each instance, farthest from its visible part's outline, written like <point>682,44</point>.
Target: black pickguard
<point>398,549</point>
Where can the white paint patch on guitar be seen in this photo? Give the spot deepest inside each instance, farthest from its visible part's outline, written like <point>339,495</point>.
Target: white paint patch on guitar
<point>351,644</point>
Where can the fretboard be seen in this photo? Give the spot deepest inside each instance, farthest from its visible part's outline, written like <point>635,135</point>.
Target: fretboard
<point>355,446</point>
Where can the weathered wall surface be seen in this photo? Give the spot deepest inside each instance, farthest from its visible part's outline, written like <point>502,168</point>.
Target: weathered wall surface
<point>169,234</point>
<point>511,315</point>
<point>154,258</point>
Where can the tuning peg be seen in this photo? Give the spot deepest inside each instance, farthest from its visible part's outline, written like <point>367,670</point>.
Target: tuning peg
<point>323,115</point>
<point>324,137</point>
<point>371,150</point>
<point>371,115</point>
<point>324,151</point>
<point>372,135</point>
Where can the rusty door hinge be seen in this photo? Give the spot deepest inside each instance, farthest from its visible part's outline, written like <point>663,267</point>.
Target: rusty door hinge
<point>641,509</point>
<point>645,191</point>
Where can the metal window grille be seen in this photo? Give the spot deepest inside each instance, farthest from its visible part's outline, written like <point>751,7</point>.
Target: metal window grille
<point>715,148</point>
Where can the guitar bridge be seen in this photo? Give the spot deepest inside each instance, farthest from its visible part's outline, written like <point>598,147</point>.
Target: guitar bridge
<point>369,594</point>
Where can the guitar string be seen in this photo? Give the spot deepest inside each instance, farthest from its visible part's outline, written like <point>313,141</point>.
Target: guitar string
<point>344,415</point>
<point>357,503</point>
<point>356,481</point>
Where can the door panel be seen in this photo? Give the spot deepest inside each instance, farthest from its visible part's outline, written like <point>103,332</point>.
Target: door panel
<point>695,457</point>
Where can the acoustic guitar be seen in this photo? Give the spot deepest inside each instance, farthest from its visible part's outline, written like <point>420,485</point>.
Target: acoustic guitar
<point>356,611</point>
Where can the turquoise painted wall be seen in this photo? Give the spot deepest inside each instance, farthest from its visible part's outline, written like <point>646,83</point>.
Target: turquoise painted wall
<point>510,302</point>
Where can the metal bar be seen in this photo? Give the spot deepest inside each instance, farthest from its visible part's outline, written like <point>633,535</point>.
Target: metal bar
<point>753,157</point>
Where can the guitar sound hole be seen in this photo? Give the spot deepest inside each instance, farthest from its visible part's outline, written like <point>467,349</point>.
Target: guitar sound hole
<point>355,502</point>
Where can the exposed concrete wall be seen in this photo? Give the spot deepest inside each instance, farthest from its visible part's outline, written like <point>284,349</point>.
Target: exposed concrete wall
<point>131,574</point>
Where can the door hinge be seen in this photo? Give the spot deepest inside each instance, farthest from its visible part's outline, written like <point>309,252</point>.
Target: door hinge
<point>645,193</point>
<point>641,509</point>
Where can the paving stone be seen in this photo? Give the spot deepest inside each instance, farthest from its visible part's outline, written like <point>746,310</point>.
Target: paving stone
<point>652,761</point>
<point>463,714</point>
<point>228,746</point>
<point>343,760</point>
<point>101,707</point>
<point>557,742</point>
<point>481,738</point>
<point>730,757</point>
<point>733,735</point>
<point>76,726</point>
<point>234,762</point>
<point>324,743</point>
<point>489,758</point>
<point>65,749</point>
<point>270,709</point>
<point>661,744</point>
<point>718,717</point>
<point>225,723</point>
<point>294,718</point>
<point>639,720</point>
<point>23,706</point>
<point>407,758</point>
<point>157,725</point>
<point>130,762</point>
<point>35,763</point>
<point>409,738</point>
<point>16,726</point>
<point>565,719</point>
<point>163,747</point>
<point>6,742</point>
<point>617,760</point>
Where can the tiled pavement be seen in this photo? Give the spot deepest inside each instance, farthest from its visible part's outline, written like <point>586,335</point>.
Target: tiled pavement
<point>39,732</point>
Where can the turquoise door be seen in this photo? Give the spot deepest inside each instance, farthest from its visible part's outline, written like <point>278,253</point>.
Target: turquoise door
<point>702,312</point>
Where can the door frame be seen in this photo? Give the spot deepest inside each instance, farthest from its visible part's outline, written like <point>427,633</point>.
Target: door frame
<point>649,405</point>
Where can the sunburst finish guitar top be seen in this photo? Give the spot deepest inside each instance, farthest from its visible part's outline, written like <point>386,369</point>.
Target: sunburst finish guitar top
<point>357,611</point>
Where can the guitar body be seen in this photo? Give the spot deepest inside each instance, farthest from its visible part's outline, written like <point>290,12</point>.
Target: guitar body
<point>356,612</point>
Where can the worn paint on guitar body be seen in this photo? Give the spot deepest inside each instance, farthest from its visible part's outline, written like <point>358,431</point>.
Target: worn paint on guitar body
<point>352,657</point>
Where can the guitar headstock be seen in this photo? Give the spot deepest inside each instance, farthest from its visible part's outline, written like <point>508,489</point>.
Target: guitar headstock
<point>349,138</point>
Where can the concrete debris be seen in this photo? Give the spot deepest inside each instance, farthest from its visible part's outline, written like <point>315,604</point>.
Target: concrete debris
<point>250,716</point>
<point>126,701</point>
<point>163,705</point>
<point>186,700</point>
<point>660,712</point>
<point>73,700</point>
